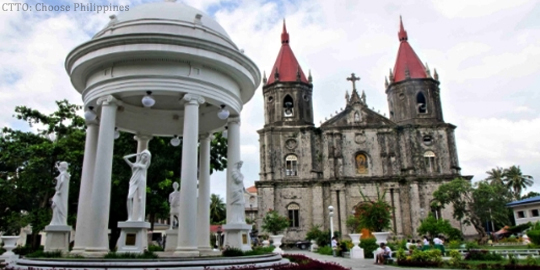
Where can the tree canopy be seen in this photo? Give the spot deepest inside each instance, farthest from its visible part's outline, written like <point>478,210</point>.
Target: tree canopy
<point>474,205</point>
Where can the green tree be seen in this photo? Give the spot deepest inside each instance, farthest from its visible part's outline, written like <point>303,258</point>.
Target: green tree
<point>490,201</point>
<point>530,195</point>
<point>459,194</point>
<point>433,227</point>
<point>27,165</point>
<point>218,209</point>
<point>496,176</point>
<point>517,181</point>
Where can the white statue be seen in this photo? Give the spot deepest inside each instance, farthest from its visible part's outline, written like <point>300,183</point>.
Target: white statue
<point>174,201</point>
<point>60,198</point>
<point>237,195</point>
<point>137,185</point>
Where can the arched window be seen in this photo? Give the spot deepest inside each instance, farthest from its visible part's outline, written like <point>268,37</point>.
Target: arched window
<point>288,106</point>
<point>421,103</point>
<point>291,165</point>
<point>294,215</point>
<point>429,160</point>
<point>361,164</point>
<point>356,117</point>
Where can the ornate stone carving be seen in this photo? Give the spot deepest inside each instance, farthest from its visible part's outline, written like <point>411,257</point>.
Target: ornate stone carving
<point>360,138</point>
<point>291,144</point>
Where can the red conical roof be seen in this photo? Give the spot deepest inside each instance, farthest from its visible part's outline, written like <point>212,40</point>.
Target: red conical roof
<point>286,64</point>
<point>407,60</point>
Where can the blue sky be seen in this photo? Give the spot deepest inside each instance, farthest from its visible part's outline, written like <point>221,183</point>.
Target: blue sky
<point>487,53</point>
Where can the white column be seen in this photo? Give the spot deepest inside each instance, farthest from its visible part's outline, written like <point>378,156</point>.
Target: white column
<point>203,204</point>
<point>233,156</point>
<point>98,243</point>
<point>187,229</point>
<point>142,144</point>
<point>85,194</point>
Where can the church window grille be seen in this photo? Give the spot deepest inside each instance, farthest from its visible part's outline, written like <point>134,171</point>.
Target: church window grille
<point>288,106</point>
<point>429,159</point>
<point>291,165</point>
<point>361,164</point>
<point>421,103</point>
<point>294,215</point>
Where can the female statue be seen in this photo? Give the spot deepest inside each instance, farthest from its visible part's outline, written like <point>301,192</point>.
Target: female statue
<point>237,195</point>
<point>137,185</point>
<point>60,198</point>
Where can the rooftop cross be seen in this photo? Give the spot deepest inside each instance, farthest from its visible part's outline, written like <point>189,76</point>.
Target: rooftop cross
<point>353,79</point>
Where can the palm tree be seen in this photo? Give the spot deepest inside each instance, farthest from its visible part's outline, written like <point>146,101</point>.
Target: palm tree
<point>496,176</point>
<point>218,209</point>
<point>516,180</point>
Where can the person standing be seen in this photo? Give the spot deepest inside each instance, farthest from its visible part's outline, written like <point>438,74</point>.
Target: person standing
<point>334,245</point>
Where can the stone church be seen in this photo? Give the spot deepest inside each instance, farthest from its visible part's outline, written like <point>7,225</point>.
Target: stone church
<point>305,168</point>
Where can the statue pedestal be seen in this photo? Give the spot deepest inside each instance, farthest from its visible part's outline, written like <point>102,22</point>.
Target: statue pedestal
<point>57,238</point>
<point>133,237</point>
<point>171,240</point>
<point>237,235</point>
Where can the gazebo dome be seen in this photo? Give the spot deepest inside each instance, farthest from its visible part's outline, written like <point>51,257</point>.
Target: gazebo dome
<point>166,17</point>
<point>168,50</point>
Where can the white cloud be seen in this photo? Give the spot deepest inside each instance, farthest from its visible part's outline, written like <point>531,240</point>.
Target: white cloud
<point>487,65</point>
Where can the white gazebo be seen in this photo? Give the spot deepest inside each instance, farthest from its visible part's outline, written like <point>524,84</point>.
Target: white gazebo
<point>159,69</point>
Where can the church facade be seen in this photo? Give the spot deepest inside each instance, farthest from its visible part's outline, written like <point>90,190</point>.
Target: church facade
<point>305,169</point>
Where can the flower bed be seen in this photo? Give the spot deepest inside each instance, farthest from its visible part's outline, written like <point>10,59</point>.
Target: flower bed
<point>298,262</point>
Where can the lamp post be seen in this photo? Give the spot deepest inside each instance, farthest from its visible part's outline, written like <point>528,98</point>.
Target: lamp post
<point>331,215</point>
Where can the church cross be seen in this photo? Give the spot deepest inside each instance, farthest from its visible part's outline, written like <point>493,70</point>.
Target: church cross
<point>353,79</point>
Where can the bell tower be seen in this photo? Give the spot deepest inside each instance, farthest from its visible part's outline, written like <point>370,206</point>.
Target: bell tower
<point>287,92</point>
<point>413,94</point>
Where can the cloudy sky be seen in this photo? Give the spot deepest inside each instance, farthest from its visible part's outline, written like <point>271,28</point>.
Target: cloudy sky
<point>487,54</point>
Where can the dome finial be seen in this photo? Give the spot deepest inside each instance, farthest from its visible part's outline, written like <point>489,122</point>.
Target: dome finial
<point>284,34</point>
<point>402,33</point>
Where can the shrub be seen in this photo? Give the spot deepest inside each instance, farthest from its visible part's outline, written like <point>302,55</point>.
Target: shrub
<point>259,251</point>
<point>325,250</point>
<point>232,252</point>
<point>482,255</point>
<point>145,255</point>
<point>154,248</point>
<point>374,215</point>
<point>471,245</point>
<point>530,260</point>
<point>274,223</point>
<point>353,224</point>
<point>369,245</point>
<point>534,236</point>
<point>454,244</point>
<point>455,258</point>
<point>43,254</point>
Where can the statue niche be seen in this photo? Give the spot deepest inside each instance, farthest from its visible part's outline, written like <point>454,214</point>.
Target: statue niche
<point>361,163</point>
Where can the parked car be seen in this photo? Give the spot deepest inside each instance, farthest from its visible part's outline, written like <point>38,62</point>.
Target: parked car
<point>303,244</point>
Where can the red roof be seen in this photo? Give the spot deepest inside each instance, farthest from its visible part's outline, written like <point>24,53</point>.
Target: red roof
<point>251,189</point>
<point>407,59</point>
<point>286,64</point>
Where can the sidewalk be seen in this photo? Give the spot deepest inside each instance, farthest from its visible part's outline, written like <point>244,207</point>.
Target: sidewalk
<point>355,264</point>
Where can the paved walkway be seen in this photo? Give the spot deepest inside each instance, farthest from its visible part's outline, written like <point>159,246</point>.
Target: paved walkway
<point>355,264</point>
